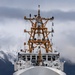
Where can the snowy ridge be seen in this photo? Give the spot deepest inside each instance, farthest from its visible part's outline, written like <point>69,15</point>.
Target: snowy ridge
<point>8,56</point>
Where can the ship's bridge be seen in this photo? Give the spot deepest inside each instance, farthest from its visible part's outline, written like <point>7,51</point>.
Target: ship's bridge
<point>32,59</point>
<point>35,56</point>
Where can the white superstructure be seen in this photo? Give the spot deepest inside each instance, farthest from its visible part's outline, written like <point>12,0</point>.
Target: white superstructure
<point>27,62</point>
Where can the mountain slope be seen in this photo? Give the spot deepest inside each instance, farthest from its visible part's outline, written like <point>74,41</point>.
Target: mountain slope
<point>6,67</point>
<point>69,68</point>
<point>6,63</point>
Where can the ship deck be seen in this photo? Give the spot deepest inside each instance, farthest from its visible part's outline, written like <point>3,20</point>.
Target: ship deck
<point>39,70</point>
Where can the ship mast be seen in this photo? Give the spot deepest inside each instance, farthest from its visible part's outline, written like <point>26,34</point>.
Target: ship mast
<point>40,30</point>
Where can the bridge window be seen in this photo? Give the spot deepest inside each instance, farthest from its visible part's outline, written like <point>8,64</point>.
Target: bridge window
<point>44,57</point>
<point>24,58</point>
<point>28,58</point>
<point>33,57</point>
<point>53,58</point>
<point>49,58</point>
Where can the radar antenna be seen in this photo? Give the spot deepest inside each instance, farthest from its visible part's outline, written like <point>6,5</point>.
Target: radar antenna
<point>39,29</point>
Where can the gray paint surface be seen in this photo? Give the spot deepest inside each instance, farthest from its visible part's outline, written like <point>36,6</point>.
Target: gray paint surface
<point>39,71</point>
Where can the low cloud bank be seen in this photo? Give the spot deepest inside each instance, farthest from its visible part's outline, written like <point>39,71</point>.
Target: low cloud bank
<point>17,13</point>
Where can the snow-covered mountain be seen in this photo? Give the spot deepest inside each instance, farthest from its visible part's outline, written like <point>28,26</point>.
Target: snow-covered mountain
<point>6,63</point>
<point>8,56</point>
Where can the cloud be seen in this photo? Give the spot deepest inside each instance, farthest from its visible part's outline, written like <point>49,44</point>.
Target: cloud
<point>20,13</point>
<point>11,13</point>
<point>45,5</point>
<point>11,32</point>
<point>64,40</point>
<point>61,15</point>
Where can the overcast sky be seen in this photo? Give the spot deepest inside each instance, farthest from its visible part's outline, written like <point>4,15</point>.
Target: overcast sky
<point>12,23</point>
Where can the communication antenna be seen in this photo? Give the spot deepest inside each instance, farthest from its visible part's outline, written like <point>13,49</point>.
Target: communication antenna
<point>38,10</point>
<point>30,15</point>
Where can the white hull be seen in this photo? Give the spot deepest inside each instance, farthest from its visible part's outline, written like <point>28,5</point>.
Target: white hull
<point>39,70</point>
